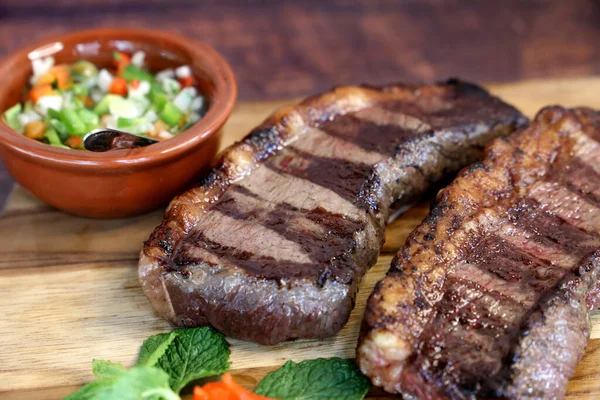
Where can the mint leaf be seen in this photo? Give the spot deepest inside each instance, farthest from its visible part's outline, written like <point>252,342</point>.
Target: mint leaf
<point>91,390</point>
<point>154,347</point>
<point>315,379</point>
<point>138,383</point>
<point>193,353</point>
<point>106,369</point>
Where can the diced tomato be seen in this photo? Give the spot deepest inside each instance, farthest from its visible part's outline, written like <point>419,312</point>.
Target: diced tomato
<point>187,81</point>
<point>74,142</point>
<point>118,86</point>
<point>135,83</point>
<point>121,60</point>
<point>39,91</point>
<point>227,389</point>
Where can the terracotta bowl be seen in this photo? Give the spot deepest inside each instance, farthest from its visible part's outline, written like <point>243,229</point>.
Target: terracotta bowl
<point>122,182</point>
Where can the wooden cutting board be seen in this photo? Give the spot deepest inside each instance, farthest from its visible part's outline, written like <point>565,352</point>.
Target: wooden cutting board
<point>69,290</point>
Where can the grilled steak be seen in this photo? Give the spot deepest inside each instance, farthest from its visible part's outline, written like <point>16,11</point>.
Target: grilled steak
<point>273,243</point>
<point>491,294</point>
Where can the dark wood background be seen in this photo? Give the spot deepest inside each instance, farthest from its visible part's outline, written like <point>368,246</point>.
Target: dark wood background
<point>282,49</point>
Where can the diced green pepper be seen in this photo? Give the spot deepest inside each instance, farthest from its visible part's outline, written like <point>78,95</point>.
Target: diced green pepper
<point>53,114</point>
<point>171,114</point>
<point>84,68</point>
<point>53,138</point>
<point>103,105</point>
<point>124,122</point>
<point>171,86</point>
<point>155,89</point>
<point>76,103</point>
<point>28,106</point>
<point>159,101</point>
<point>60,128</point>
<point>79,90</point>
<point>131,72</point>
<point>11,117</point>
<point>89,118</point>
<point>74,124</point>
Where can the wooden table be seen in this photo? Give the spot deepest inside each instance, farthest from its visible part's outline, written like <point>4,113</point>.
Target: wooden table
<point>69,289</point>
<point>287,49</point>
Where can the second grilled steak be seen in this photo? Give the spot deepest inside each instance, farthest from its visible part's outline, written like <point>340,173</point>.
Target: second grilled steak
<point>491,294</point>
<point>273,244</point>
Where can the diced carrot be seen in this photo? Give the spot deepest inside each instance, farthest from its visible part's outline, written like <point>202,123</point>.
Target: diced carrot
<point>74,142</point>
<point>121,60</point>
<point>46,79</point>
<point>35,129</point>
<point>187,81</point>
<point>118,86</point>
<point>135,83</point>
<point>58,74</point>
<point>87,101</point>
<point>39,91</point>
<point>61,73</point>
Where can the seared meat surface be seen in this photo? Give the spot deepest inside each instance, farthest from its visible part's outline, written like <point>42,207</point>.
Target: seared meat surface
<point>273,243</point>
<point>491,294</point>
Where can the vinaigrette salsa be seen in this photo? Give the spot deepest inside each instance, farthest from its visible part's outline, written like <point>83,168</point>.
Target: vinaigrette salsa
<point>64,102</point>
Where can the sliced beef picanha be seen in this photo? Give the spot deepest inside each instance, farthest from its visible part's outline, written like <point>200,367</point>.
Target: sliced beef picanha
<point>491,294</point>
<point>273,243</point>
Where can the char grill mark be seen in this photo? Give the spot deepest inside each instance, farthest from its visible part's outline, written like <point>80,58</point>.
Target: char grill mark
<point>370,136</point>
<point>273,244</point>
<point>338,175</point>
<point>518,273</point>
<point>306,227</point>
<point>582,179</point>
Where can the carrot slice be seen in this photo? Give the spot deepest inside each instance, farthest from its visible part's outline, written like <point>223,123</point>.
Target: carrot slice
<point>118,86</point>
<point>135,83</point>
<point>227,389</point>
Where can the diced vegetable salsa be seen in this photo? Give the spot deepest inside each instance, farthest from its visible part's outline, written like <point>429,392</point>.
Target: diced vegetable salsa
<point>65,102</point>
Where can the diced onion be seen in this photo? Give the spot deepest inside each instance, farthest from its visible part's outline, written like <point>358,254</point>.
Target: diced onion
<point>27,117</point>
<point>183,72</point>
<point>171,86</point>
<point>119,107</point>
<point>137,59</point>
<point>40,67</point>
<point>198,103</point>
<point>96,95</point>
<point>141,91</point>
<point>165,74</point>
<point>164,135</point>
<point>184,99</point>
<point>109,121</point>
<point>151,116</point>
<point>104,80</point>
<point>45,103</point>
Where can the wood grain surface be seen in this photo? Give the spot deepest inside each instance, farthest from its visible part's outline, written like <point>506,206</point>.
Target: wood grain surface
<point>69,290</point>
<point>289,48</point>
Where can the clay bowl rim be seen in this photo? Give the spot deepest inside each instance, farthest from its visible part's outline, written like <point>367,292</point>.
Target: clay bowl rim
<point>222,102</point>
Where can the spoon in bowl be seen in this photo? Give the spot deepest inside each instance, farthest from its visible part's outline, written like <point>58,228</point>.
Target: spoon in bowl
<point>105,139</point>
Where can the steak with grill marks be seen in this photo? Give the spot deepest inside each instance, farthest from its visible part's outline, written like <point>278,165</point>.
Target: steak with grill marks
<point>273,243</point>
<point>491,294</point>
